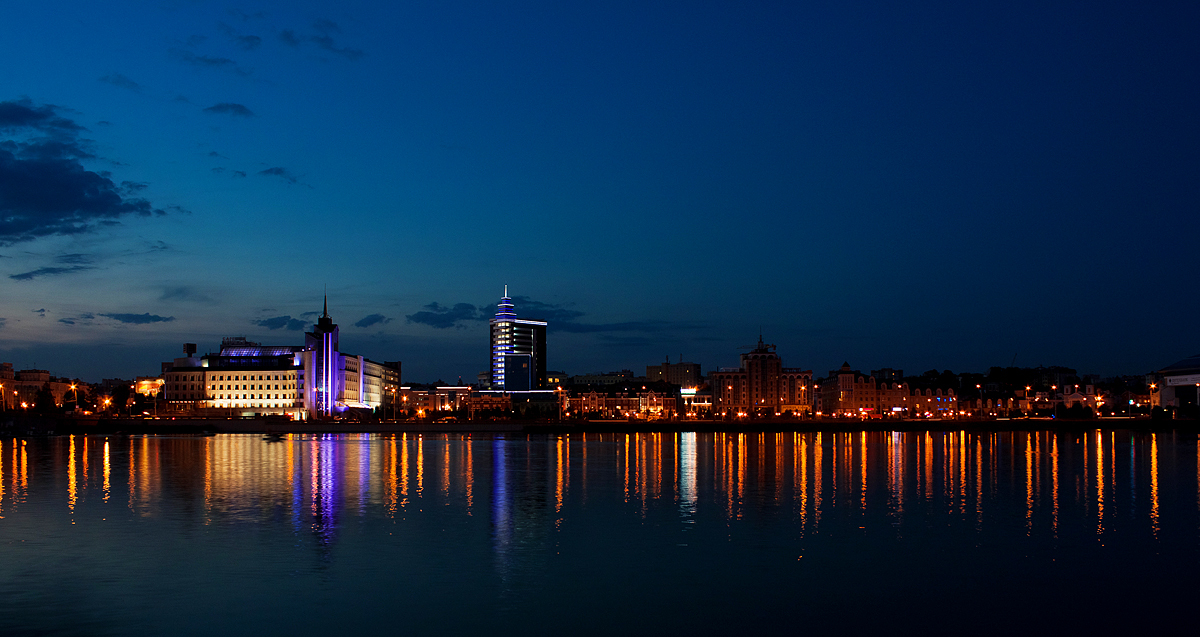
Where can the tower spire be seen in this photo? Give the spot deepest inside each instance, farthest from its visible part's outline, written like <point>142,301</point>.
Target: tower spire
<point>506,290</point>
<point>325,310</point>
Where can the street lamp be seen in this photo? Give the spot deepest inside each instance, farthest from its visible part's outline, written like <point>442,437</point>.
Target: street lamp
<point>76,391</point>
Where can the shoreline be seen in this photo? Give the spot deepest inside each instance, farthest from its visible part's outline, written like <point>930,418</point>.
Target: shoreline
<point>31,425</point>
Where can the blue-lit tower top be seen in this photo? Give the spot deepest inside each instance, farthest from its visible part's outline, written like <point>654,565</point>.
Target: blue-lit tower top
<point>502,337</point>
<point>505,308</point>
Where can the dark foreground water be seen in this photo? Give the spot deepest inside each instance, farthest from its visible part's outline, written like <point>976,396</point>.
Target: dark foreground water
<point>851,533</point>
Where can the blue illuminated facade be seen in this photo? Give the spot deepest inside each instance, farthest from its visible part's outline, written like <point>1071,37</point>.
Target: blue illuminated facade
<point>324,368</point>
<point>514,340</point>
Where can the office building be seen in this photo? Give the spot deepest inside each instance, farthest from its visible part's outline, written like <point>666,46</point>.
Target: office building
<point>518,350</point>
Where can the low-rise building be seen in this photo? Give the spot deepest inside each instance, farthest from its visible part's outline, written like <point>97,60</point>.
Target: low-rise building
<point>21,387</point>
<point>686,375</point>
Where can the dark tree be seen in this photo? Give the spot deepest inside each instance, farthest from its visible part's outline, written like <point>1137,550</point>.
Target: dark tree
<point>43,402</point>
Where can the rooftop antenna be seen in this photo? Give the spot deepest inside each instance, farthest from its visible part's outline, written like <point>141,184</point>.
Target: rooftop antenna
<point>325,312</point>
<point>505,290</point>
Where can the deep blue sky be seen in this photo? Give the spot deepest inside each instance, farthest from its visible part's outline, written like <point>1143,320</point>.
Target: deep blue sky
<point>944,185</point>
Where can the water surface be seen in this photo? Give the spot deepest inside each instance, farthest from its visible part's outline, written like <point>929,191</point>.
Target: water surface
<point>1094,532</point>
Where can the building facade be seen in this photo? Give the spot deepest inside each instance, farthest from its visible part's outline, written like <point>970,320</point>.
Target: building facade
<point>314,380</point>
<point>21,387</point>
<point>683,374</point>
<point>849,393</point>
<point>761,386</point>
<point>518,350</point>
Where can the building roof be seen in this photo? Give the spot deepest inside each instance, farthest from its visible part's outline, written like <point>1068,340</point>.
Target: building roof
<point>260,351</point>
<point>1187,365</point>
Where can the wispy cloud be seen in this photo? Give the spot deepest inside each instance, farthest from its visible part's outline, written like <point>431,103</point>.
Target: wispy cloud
<point>184,293</point>
<point>139,319</point>
<point>444,317</point>
<point>86,318</point>
<point>322,39</point>
<point>229,108</point>
<point>50,271</point>
<point>559,318</point>
<point>205,61</point>
<point>372,319</point>
<point>280,172</point>
<point>282,322</point>
<point>246,42</point>
<point>120,81</point>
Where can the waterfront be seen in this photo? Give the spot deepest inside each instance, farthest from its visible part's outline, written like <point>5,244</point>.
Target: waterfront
<point>924,532</point>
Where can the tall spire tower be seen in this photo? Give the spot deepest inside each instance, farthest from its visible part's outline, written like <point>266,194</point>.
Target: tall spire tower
<point>518,349</point>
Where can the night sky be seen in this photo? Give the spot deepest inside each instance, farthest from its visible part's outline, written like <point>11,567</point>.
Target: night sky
<point>951,185</point>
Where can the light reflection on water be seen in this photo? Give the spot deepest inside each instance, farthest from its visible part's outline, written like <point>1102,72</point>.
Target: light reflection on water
<point>594,533</point>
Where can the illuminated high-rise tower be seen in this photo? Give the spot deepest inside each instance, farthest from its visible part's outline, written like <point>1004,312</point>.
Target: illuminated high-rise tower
<point>518,350</point>
<point>324,366</point>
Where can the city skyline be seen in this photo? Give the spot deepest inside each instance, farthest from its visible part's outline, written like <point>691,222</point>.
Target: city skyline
<point>921,187</point>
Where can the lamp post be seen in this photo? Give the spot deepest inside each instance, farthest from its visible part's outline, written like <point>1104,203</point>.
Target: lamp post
<point>76,392</point>
<point>1054,399</point>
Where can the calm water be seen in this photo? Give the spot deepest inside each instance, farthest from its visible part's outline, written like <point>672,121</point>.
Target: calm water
<point>898,533</point>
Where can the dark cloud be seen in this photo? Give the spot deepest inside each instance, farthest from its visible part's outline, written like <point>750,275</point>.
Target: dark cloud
<point>246,17</point>
<point>49,271</point>
<point>628,326</point>
<point>2,322</point>
<point>559,318</point>
<point>103,122</point>
<point>41,312</point>
<point>326,27</point>
<point>22,114</point>
<point>74,258</point>
<point>281,172</point>
<point>229,108</point>
<point>551,313</point>
<point>139,319</point>
<point>224,64</point>
<point>45,189</point>
<point>310,314</point>
<point>85,318</point>
<point>289,37</point>
<point>282,322</point>
<point>237,173</point>
<point>326,42</point>
<point>246,42</point>
<point>443,317</point>
<point>218,169</point>
<point>196,40</point>
<point>323,39</point>
<point>118,80</point>
<point>184,293</point>
<point>213,153</point>
<point>249,42</point>
<point>373,319</point>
